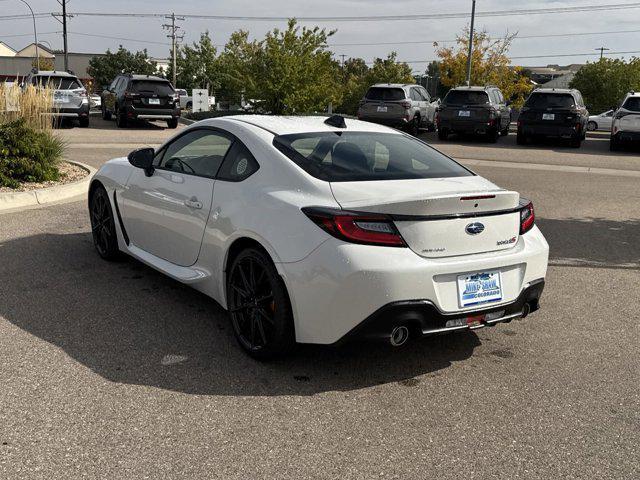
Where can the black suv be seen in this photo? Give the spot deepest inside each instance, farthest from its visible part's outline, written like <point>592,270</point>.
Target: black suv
<point>130,97</point>
<point>553,113</point>
<point>475,111</point>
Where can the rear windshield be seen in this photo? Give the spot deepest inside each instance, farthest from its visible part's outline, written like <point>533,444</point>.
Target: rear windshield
<point>550,100</point>
<point>59,83</point>
<point>385,94</point>
<point>633,104</point>
<point>463,97</point>
<point>151,86</point>
<point>361,156</point>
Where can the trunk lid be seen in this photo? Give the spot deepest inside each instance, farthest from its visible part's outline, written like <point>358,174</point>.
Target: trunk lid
<point>440,217</point>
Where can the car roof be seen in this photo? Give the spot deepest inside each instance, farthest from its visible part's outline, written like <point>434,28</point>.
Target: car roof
<point>145,77</point>
<point>49,73</point>
<point>284,125</point>
<point>394,85</point>
<point>474,88</point>
<point>555,90</point>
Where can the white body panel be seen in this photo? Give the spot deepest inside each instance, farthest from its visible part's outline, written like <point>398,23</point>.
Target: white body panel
<point>603,121</point>
<point>333,285</point>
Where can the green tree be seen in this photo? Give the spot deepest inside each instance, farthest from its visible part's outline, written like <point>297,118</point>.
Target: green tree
<point>604,83</point>
<point>197,65</point>
<point>290,71</point>
<point>490,65</point>
<point>104,68</point>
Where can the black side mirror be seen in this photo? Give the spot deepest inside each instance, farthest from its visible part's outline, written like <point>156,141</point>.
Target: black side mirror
<point>143,158</point>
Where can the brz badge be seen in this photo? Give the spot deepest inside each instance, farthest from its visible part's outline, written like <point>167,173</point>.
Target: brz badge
<point>474,228</point>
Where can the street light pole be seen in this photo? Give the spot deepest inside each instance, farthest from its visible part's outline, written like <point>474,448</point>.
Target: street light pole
<point>473,16</point>
<point>35,34</point>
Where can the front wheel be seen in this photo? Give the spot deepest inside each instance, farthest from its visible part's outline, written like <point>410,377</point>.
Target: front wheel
<point>259,306</point>
<point>121,119</point>
<point>103,226</point>
<point>591,126</point>
<point>614,146</point>
<point>173,123</point>
<point>576,142</point>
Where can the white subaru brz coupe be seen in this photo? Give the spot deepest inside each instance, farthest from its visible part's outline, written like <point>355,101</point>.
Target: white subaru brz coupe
<point>319,230</point>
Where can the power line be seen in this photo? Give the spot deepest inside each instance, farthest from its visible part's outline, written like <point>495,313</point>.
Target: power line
<point>428,16</point>
<point>126,39</point>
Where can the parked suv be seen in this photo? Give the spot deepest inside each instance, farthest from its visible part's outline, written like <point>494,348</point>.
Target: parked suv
<point>406,106</point>
<point>69,95</point>
<point>553,113</point>
<point>130,97</point>
<point>475,111</point>
<point>626,122</point>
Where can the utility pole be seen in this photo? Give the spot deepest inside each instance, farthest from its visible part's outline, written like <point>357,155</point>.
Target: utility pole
<point>473,16</point>
<point>64,15</point>
<point>173,35</point>
<point>602,49</point>
<point>64,35</point>
<point>343,57</point>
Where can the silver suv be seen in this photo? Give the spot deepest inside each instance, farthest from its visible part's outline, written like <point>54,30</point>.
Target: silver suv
<point>70,98</point>
<point>625,127</point>
<point>406,106</point>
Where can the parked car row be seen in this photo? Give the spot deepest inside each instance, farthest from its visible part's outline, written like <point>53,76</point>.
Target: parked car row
<point>131,97</point>
<point>483,111</point>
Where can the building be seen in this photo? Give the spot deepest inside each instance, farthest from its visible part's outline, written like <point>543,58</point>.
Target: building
<point>15,64</point>
<point>561,76</point>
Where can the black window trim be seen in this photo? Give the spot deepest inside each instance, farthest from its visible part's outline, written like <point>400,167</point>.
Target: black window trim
<point>225,133</point>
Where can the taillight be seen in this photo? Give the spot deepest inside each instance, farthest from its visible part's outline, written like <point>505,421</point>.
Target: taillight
<point>406,105</point>
<point>130,95</point>
<point>355,227</point>
<point>527,216</point>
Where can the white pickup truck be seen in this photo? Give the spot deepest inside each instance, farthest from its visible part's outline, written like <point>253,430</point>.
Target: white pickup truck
<point>186,101</point>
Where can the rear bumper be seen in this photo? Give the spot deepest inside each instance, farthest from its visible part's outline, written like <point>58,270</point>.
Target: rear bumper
<point>631,137</point>
<point>73,112</point>
<point>470,128</point>
<point>395,122</point>
<point>424,319</point>
<point>551,131</point>
<point>152,113</point>
<point>339,284</point>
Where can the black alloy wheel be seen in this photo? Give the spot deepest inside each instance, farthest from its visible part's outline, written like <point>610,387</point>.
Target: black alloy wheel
<point>103,228</point>
<point>259,306</point>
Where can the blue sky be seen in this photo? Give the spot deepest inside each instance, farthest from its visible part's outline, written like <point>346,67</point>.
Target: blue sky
<point>150,30</point>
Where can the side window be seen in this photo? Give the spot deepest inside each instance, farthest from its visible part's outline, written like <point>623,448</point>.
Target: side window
<point>199,152</point>
<point>415,95</point>
<point>238,165</point>
<point>112,87</point>
<point>425,94</point>
<point>500,97</point>
<point>493,96</point>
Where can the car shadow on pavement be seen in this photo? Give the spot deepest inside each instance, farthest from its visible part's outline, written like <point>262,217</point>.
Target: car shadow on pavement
<point>100,124</point>
<point>130,324</point>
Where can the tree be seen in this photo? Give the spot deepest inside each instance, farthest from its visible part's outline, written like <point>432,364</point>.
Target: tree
<point>604,83</point>
<point>104,68</point>
<point>490,65</point>
<point>358,77</point>
<point>289,71</point>
<point>197,65</point>
<point>45,63</point>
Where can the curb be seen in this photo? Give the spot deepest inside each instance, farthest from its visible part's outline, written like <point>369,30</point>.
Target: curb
<point>186,121</point>
<point>19,200</point>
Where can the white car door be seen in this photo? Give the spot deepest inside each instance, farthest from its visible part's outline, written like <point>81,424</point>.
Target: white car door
<point>605,120</point>
<point>430,106</point>
<point>165,214</point>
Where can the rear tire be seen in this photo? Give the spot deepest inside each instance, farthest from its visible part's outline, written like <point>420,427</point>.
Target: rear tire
<point>103,226</point>
<point>591,126</point>
<point>576,142</point>
<point>121,120</point>
<point>259,306</point>
<point>83,122</point>
<point>173,123</point>
<point>492,136</point>
<point>521,139</point>
<point>414,126</point>
<point>614,145</point>
<point>106,114</point>
<point>443,134</point>
<point>505,132</point>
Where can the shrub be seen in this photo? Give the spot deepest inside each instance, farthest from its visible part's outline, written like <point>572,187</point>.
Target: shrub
<point>28,154</point>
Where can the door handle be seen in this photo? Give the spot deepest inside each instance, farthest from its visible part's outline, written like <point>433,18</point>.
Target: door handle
<point>193,203</point>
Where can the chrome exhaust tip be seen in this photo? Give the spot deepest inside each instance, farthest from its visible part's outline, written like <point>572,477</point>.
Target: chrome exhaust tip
<point>399,336</point>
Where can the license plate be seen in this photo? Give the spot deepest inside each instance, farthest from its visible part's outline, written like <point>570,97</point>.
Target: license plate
<point>154,101</point>
<point>479,288</point>
<point>382,109</point>
<point>464,113</point>
<point>61,97</point>
<point>548,116</point>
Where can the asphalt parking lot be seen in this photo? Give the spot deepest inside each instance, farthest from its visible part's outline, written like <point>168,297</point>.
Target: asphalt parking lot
<point>111,370</point>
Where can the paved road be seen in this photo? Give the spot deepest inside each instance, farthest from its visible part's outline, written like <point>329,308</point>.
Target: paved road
<point>110,370</point>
